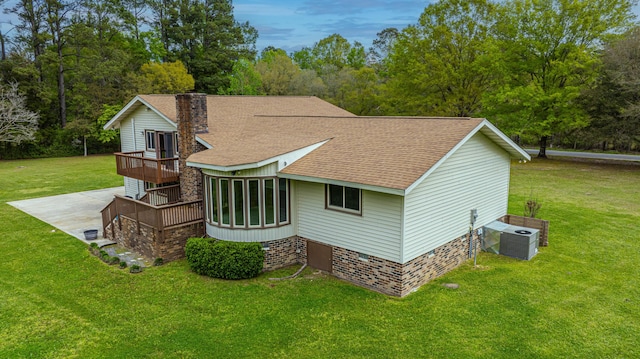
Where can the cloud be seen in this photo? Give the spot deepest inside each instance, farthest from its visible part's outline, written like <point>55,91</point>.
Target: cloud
<point>341,7</point>
<point>290,24</point>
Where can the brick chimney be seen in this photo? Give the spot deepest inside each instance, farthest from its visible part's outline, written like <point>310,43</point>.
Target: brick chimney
<point>192,119</point>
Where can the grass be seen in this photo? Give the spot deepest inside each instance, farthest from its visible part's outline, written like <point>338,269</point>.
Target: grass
<point>579,297</point>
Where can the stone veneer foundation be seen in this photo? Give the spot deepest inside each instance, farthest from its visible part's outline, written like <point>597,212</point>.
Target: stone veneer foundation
<point>151,243</point>
<point>375,273</point>
<point>395,278</point>
<point>378,274</point>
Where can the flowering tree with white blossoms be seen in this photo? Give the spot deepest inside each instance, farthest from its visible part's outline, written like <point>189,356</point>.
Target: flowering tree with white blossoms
<point>17,123</point>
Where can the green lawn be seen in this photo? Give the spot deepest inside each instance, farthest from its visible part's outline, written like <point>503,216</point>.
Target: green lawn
<point>579,297</point>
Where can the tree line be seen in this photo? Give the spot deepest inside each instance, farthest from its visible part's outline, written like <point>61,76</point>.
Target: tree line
<point>548,72</point>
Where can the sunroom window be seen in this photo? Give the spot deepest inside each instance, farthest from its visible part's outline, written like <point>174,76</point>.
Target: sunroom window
<point>247,202</point>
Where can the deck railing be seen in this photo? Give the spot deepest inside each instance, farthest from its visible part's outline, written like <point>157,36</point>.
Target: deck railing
<point>162,195</point>
<point>158,217</point>
<point>154,170</point>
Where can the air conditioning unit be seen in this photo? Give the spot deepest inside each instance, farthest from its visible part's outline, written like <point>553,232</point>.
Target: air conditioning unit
<point>519,242</point>
<point>509,240</point>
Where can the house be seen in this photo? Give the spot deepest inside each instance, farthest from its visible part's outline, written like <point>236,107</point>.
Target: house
<point>383,202</point>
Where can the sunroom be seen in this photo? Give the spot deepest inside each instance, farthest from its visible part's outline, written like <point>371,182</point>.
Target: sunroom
<point>252,205</point>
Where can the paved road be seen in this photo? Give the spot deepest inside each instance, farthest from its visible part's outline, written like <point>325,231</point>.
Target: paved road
<point>593,155</point>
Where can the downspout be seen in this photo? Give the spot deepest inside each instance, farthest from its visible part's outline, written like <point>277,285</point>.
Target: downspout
<point>133,133</point>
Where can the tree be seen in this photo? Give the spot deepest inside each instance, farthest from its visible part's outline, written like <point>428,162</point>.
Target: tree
<point>442,65</point>
<point>245,80</point>
<point>308,83</point>
<point>550,52</point>
<point>379,52</point>
<point>303,58</point>
<point>332,51</point>
<point>614,103</point>
<point>17,123</point>
<point>357,56</point>
<point>360,92</point>
<point>277,72</point>
<point>57,20</point>
<point>30,27</point>
<point>163,78</point>
<point>204,35</point>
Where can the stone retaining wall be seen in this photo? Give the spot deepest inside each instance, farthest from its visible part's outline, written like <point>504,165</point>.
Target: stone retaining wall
<point>151,243</point>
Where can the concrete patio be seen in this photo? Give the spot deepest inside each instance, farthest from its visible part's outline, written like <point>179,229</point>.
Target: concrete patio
<point>72,213</point>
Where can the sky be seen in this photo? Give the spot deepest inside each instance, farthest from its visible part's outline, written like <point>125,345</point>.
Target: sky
<point>290,24</point>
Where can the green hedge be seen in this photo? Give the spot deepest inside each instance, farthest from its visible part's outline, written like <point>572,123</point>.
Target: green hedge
<point>223,259</point>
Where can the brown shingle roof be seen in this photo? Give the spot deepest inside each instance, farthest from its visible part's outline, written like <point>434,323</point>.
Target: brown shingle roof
<point>242,106</point>
<point>391,152</point>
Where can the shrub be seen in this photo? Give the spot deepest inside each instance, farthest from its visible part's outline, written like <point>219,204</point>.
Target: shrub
<point>158,262</point>
<point>199,253</point>
<point>223,259</point>
<point>94,249</point>
<point>123,264</point>
<point>105,257</point>
<point>114,260</point>
<point>135,269</point>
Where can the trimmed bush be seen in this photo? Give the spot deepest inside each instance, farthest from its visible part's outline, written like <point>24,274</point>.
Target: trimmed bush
<point>123,264</point>
<point>223,259</point>
<point>114,260</point>
<point>135,269</point>
<point>199,253</point>
<point>158,262</point>
<point>94,249</point>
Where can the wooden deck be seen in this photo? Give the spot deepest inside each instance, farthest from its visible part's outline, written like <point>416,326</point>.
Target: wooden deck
<point>158,171</point>
<point>158,217</point>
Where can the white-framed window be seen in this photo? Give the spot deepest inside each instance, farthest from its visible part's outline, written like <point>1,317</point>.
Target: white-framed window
<point>247,202</point>
<point>150,140</point>
<point>343,198</point>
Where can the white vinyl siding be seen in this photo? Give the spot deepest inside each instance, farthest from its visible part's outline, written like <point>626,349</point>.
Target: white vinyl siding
<point>132,187</point>
<point>376,232</point>
<point>437,210</point>
<point>264,171</point>
<point>132,138</point>
<point>250,235</point>
<point>142,120</point>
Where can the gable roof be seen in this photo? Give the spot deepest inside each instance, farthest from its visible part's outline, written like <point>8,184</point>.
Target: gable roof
<point>390,154</point>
